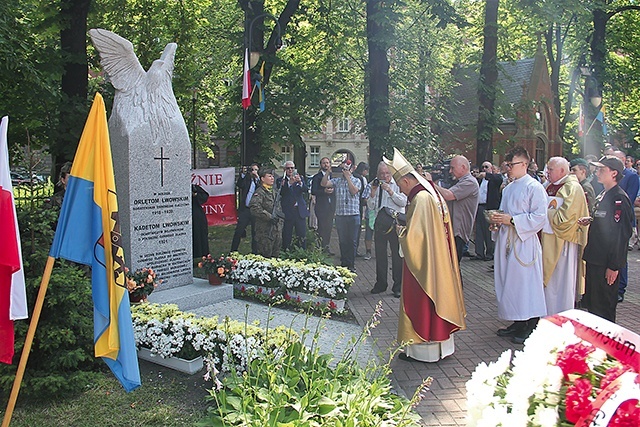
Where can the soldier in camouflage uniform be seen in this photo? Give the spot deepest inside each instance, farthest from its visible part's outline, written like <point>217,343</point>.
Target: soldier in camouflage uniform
<point>268,224</point>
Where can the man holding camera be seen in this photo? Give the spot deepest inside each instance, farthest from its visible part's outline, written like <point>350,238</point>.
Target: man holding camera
<point>384,199</point>
<point>292,188</point>
<point>325,206</point>
<point>347,194</point>
<point>463,201</point>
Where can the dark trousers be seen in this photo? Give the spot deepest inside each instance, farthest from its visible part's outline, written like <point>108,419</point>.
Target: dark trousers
<point>347,227</point>
<point>382,240</point>
<point>244,219</point>
<point>624,278</point>
<point>325,224</point>
<point>300,225</point>
<point>484,244</point>
<point>460,243</point>
<point>600,298</point>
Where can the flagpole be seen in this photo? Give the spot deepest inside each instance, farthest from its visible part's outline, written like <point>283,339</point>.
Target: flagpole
<point>44,283</point>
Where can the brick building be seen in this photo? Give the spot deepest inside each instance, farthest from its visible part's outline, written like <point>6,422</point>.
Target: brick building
<point>524,107</point>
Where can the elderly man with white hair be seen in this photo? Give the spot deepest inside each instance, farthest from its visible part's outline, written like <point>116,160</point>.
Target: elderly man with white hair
<point>563,239</point>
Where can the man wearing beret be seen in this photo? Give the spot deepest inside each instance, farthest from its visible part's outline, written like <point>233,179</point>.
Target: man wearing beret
<point>580,168</point>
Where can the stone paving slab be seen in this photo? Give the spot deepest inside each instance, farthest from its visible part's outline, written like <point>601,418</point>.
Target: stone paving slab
<point>445,404</point>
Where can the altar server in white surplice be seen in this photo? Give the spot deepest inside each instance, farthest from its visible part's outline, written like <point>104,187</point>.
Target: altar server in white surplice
<point>518,254</point>
<point>563,239</point>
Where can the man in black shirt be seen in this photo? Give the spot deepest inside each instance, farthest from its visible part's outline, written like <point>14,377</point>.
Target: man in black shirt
<point>609,233</point>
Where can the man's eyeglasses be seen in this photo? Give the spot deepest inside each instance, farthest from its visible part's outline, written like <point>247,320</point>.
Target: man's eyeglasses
<point>254,170</point>
<point>290,167</point>
<point>511,165</point>
<point>486,167</point>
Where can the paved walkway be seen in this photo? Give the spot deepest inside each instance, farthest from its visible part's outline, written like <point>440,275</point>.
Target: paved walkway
<point>445,404</point>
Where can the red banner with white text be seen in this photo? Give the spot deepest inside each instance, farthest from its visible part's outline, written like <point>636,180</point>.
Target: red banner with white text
<point>220,184</point>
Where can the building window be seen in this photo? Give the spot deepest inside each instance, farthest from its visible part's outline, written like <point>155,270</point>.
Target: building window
<point>344,125</point>
<point>286,154</point>
<point>541,152</point>
<point>314,156</point>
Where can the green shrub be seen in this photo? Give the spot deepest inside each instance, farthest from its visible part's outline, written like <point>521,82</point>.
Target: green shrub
<point>313,253</point>
<point>61,358</point>
<point>297,386</point>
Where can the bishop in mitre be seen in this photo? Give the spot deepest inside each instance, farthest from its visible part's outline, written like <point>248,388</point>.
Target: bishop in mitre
<point>432,304</point>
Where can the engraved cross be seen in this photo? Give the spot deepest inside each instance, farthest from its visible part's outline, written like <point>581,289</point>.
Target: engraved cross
<point>162,158</point>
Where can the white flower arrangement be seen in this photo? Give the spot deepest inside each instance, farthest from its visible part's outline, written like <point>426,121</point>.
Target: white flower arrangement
<point>168,332</point>
<point>556,380</point>
<point>296,276</point>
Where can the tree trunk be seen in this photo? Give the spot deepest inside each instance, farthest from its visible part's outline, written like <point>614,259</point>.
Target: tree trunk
<point>73,106</point>
<point>377,79</point>
<point>487,84</point>
<point>593,138</point>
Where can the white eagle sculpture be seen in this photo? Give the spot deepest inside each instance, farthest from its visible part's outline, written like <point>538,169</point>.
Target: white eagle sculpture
<point>141,96</point>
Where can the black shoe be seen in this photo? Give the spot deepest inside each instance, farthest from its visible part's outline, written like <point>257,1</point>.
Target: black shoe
<point>620,298</point>
<point>377,290</point>
<point>467,254</point>
<point>518,340</point>
<point>405,358</point>
<point>488,258</point>
<point>396,294</point>
<point>509,331</point>
<point>478,258</point>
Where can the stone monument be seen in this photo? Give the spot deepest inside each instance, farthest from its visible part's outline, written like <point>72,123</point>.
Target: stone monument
<point>151,160</point>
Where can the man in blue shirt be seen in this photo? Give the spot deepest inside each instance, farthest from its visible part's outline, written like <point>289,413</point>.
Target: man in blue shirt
<point>630,186</point>
<point>347,195</point>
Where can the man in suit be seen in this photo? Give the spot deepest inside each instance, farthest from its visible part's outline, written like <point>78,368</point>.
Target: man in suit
<point>292,189</point>
<point>488,199</point>
<point>247,182</point>
<point>325,207</point>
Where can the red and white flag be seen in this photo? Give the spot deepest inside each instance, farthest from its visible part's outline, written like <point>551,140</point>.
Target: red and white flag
<point>13,299</point>
<point>246,82</point>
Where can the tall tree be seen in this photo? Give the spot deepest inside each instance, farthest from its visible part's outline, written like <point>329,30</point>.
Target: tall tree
<point>380,23</point>
<point>254,24</point>
<point>73,106</point>
<point>487,83</point>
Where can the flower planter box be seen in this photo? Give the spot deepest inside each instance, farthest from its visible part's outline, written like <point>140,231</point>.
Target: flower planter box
<point>339,303</point>
<point>187,366</point>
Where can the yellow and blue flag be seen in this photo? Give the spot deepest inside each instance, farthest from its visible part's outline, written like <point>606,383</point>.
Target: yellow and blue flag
<point>88,233</point>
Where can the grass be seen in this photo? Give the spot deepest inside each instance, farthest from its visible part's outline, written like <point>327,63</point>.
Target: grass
<point>166,399</point>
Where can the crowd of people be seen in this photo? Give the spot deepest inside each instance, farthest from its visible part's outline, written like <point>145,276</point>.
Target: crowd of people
<point>558,236</point>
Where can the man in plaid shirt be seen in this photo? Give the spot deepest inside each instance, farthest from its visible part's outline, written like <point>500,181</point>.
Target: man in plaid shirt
<point>347,195</point>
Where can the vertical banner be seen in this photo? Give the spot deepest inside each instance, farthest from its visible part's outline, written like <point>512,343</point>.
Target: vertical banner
<point>220,184</point>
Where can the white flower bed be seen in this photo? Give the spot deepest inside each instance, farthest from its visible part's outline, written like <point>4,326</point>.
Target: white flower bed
<point>167,332</point>
<point>296,276</point>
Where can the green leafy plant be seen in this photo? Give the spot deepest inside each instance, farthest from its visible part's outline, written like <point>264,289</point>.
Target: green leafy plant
<point>62,356</point>
<point>295,385</point>
<point>312,253</point>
